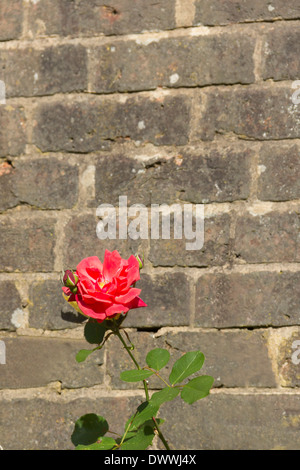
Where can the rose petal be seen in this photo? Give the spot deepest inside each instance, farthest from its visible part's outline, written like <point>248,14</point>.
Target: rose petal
<point>129,296</point>
<point>133,275</point>
<point>86,285</point>
<point>137,303</point>
<point>116,308</point>
<point>111,264</point>
<point>88,267</point>
<point>95,311</point>
<point>97,297</point>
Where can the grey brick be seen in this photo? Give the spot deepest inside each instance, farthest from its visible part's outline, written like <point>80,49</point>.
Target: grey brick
<point>252,299</point>
<point>252,113</point>
<point>215,251</point>
<point>279,166</point>
<point>97,17</point>
<point>168,299</point>
<point>269,238</point>
<point>234,422</point>
<point>23,420</point>
<point>12,130</point>
<point>35,72</point>
<point>218,174</point>
<point>281,53</point>
<point>36,362</point>
<point>95,123</point>
<point>27,243</point>
<point>10,301</point>
<point>48,309</point>
<point>234,358</point>
<point>288,360</point>
<point>174,62</point>
<point>43,183</point>
<point>214,12</point>
<point>11,19</point>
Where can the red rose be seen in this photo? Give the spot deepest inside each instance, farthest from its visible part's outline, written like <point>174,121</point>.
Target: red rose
<point>105,290</point>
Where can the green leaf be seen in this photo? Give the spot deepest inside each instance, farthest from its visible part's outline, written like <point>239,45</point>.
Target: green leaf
<point>94,332</point>
<point>158,358</point>
<point>166,394</point>
<point>88,429</point>
<point>135,375</point>
<point>83,354</point>
<point>144,412</point>
<point>104,443</point>
<point>197,388</point>
<point>187,365</point>
<point>141,439</point>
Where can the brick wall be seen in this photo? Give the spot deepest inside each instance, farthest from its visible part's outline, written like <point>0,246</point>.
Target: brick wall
<point>167,101</point>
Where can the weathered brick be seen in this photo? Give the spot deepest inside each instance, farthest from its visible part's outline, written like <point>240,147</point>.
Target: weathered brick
<point>39,182</point>
<point>281,53</point>
<point>10,302</point>
<point>12,130</point>
<point>214,12</point>
<point>257,421</point>
<point>269,238</point>
<point>34,72</point>
<point>234,358</point>
<point>48,309</point>
<point>217,174</point>
<point>279,167</point>
<point>22,420</point>
<point>27,243</point>
<point>252,299</point>
<point>288,360</point>
<point>51,180</point>
<point>95,123</point>
<point>82,241</point>
<point>168,299</point>
<point>35,362</point>
<point>252,112</point>
<point>174,62</point>
<point>215,251</point>
<point>95,17</point>
<point>8,198</point>
<point>11,18</point>
<point>273,416</point>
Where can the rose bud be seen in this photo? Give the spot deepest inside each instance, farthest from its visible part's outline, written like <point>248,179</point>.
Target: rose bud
<point>70,280</point>
<point>141,260</point>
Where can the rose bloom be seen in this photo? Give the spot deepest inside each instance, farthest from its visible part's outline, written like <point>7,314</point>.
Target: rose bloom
<point>104,291</point>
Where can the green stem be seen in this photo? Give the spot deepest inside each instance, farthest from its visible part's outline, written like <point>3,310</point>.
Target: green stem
<point>160,434</point>
<point>126,347</point>
<point>125,434</point>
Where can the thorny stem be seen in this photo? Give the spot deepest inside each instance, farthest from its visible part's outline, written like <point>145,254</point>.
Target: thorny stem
<point>160,434</point>
<point>125,434</point>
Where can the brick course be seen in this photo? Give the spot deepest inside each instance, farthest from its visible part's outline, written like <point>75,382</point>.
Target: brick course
<point>226,11</point>
<point>96,17</point>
